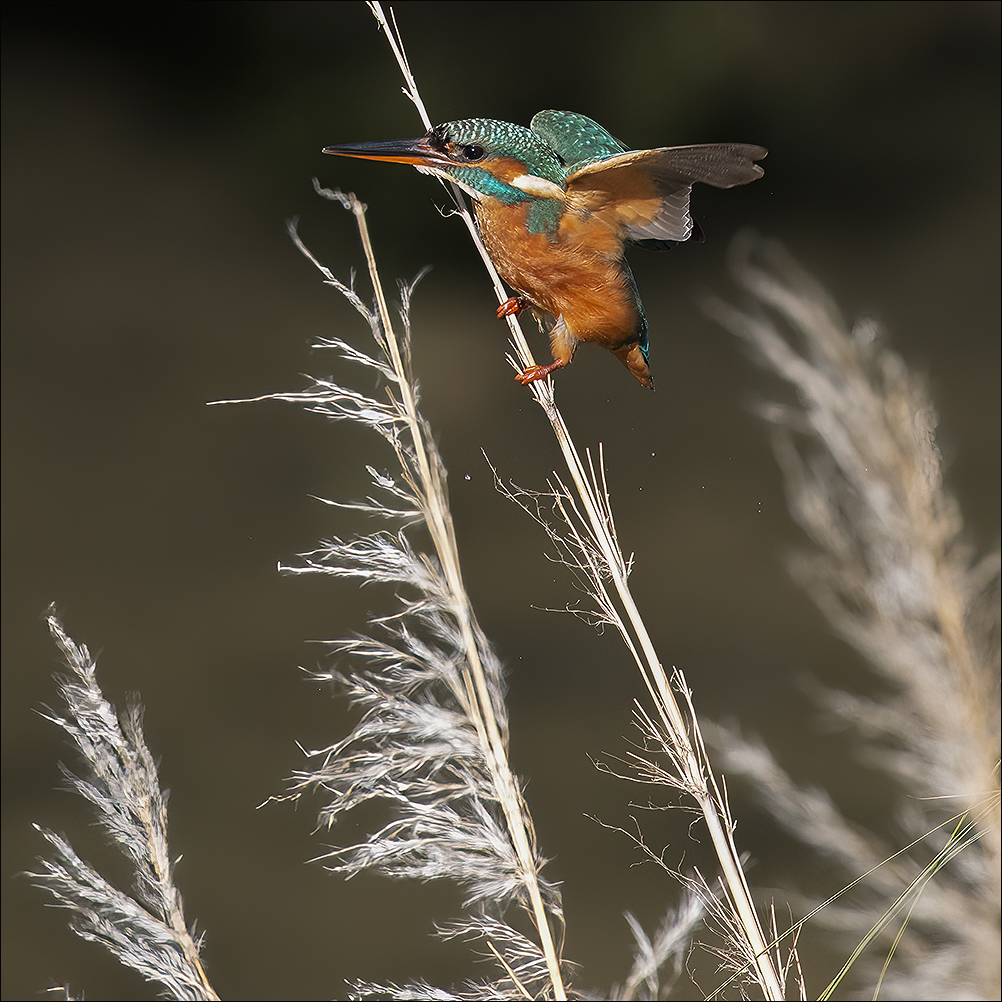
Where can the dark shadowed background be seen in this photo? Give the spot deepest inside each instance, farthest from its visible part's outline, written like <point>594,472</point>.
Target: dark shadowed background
<point>151,156</point>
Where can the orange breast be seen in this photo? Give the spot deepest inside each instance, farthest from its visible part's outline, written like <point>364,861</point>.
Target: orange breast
<point>579,277</point>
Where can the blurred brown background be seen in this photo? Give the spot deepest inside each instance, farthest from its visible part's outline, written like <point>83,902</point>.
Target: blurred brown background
<point>152,153</point>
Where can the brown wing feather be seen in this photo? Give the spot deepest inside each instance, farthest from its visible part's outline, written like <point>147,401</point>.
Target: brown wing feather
<point>644,194</point>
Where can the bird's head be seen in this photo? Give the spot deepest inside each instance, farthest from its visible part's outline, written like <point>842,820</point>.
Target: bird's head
<point>488,159</point>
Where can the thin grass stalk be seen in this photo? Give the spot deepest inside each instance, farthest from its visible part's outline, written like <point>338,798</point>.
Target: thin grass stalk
<point>683,733</point>
<point>965,833</point>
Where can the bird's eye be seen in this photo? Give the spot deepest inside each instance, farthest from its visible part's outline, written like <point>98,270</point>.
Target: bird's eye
<point>473,152</point>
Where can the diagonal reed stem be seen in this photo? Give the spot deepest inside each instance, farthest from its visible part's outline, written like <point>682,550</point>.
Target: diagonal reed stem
<point>683,733</point>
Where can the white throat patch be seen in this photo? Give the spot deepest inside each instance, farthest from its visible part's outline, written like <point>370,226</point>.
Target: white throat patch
<point>533,185</point>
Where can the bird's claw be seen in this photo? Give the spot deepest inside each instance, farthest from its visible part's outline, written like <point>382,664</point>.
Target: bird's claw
<point>535,372</point>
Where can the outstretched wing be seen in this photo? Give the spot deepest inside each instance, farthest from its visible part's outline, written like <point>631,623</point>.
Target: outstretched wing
<point>644,195</point>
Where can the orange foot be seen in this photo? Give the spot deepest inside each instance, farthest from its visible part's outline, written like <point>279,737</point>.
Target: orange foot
<point>535,372</point>
<point>511,307</point>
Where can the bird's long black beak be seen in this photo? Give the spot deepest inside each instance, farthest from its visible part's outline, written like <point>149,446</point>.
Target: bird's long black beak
<point>418,152</point>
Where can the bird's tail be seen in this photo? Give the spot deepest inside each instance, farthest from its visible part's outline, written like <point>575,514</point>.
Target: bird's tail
<point>634,358</point>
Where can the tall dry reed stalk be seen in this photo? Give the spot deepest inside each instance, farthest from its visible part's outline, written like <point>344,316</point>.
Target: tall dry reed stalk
<point>889,570</point>
<point>145,930</point>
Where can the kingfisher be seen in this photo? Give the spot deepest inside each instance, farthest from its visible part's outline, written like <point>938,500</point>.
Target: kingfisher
<point>556,204</point>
